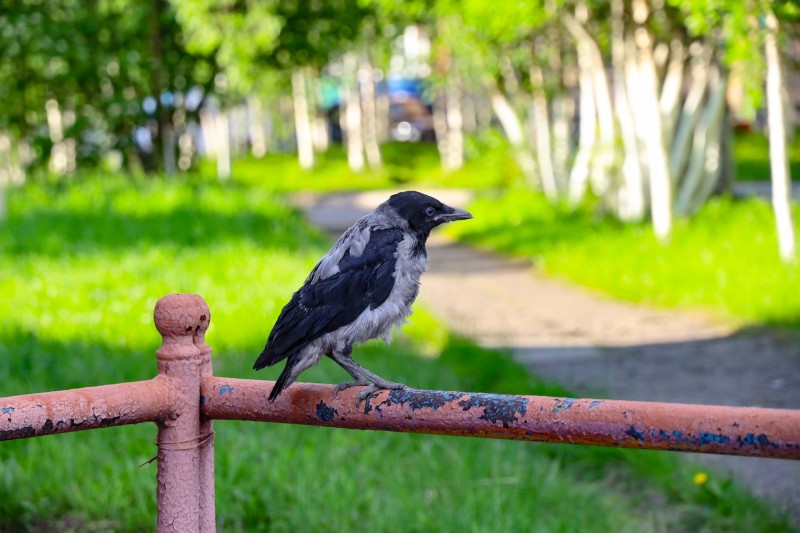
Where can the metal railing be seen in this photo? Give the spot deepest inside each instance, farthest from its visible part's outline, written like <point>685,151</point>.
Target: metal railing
<point>185,397</point>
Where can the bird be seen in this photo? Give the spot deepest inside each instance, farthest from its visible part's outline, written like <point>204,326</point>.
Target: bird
<point>360,290</point>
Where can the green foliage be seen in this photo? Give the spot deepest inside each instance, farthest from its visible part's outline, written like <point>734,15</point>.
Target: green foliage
<point>725,259</point>
<point>80,270</point>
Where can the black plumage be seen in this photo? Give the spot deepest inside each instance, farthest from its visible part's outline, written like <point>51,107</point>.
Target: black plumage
<point>359,290</point>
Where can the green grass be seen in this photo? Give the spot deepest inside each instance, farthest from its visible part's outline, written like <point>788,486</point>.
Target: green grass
<point>724,260</point>
<point>490,165</point>
<point>751,152</point>
<point>81,266</point>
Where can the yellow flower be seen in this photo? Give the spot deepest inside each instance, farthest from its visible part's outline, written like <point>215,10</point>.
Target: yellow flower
<point>700,478</point>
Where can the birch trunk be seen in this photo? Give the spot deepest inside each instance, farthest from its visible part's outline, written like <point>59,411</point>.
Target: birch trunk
<point>440,128</point>
<point>223,146</point>
<point>302,120</point>
<point>540,119</point>
<point>208,128</point>
<point>579,176</point>
<point>669,101</point>
<point>255,127</point>
<point>563,114</point>
<point>369,113</point>
<point>455,127</point>
<point>513,129</point>
<point>630,199</point>
<point>55,126</point>
<point>591,60</point>
<point>649,125</point>
<point>703,171</point>
<point>690,113</point>
<point>779,167</point>
<point>352,116</point>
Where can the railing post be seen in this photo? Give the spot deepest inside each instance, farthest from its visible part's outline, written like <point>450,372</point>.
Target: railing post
<point>179,318</point>
<point>207,502</point>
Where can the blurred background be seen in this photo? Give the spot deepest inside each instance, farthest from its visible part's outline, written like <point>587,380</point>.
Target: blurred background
<point>629,167</point>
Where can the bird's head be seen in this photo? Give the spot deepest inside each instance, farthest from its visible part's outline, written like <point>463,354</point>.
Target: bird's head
<point>423,212</point>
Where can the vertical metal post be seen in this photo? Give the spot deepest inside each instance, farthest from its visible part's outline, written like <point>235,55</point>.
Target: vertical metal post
<point>207,505</point>
<point>178,318</point>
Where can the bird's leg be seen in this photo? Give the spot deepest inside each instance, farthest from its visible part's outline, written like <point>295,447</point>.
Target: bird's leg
<point>363,377</point>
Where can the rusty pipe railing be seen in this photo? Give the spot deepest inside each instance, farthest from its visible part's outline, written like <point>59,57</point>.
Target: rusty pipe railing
<point>48,413</point>
<point>185,397</point>
<point>625,424</point>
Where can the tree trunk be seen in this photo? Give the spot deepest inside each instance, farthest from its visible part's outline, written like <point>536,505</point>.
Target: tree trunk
<point>55,126</point>
<point>302,120</point>
<point>649,126</point>
<point>223,146</point>
<point>157,79</point>
<point>630,203</point>
<point>255,127</point>
<point>513,129</point>
<point>704,167</point>
<point>591,61</point>
<point>455,127</point>
<point>690,113</point>
<point>779,167</point>
<point>669,101</point>
<point>587,134</point>
<point>540,122</point>
<point>369,115</point>
<point>352,115</point>
<point>440,127</point>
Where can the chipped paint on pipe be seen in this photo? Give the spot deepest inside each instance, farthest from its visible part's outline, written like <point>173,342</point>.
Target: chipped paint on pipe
<point>626,424</point>
<point>34,415</point>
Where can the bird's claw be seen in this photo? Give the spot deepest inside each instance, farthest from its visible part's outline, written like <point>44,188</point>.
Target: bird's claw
<point>348,384</point>
<point>372,388</point>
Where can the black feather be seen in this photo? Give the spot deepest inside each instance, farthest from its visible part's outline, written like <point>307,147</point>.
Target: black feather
<point>328,304</point>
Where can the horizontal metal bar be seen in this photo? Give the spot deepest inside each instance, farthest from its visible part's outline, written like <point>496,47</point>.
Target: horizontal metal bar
<point>626,424</point>
<point>34,415</point>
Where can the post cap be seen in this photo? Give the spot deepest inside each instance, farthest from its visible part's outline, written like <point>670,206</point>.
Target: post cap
<point>181,315</point>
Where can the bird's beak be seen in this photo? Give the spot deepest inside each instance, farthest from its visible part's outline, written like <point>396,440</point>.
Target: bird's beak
<point>453,214</point>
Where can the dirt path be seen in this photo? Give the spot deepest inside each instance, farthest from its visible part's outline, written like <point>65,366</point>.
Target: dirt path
<point>601,347</point>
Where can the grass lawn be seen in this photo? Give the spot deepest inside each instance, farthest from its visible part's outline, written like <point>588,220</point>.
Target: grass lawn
<point>83,263</point>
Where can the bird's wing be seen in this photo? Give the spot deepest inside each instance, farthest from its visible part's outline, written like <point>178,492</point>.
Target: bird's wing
<point>363,276</point>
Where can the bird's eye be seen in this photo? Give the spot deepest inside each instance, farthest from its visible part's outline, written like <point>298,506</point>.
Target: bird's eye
<point>430,211</point>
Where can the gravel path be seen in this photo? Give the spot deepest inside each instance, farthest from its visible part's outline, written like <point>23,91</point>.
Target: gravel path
<point>600,347</point>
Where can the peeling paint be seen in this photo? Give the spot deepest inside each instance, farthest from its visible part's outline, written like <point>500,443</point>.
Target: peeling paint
<point>595,403</point>
<point>497,407</point>
<point>633,432</point>
<point>758,441</point>
<point>416,399</point>
<point>325,412</point>
<point>563,405</point>
<point>225,389</point>
<point>6,410</point>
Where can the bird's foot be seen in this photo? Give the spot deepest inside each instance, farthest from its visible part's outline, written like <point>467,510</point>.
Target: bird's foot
<point>348,384</point>
<point>372,388</point>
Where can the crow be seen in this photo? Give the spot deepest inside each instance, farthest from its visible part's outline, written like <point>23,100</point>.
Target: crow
<point>362,288</point>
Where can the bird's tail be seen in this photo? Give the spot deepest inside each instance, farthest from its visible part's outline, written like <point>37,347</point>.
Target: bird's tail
<point>267,358</point>
<point>286,378</point>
